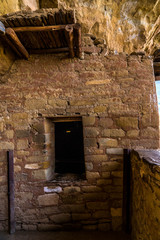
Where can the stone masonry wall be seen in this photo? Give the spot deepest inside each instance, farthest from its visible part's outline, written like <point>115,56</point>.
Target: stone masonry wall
<point>145,195</point>
<point>115,95</point>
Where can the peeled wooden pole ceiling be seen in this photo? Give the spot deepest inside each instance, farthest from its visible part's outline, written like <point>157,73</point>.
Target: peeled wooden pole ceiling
<point>48,32</point>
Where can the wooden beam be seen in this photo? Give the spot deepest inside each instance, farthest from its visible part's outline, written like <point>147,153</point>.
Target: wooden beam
<point>13,40</point>
<point>11,210</point>
<point>78,41</point>
<point>41,28</point>
<point>69,36</point>
<point>2,28</point>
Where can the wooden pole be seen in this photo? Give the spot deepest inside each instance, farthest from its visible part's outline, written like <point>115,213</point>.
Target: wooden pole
<point>127,191</point>
<point>11,211</point>
<point>78,41</point>
<point>41,28</point>
<point>69,36</point>
<point>13,40</point>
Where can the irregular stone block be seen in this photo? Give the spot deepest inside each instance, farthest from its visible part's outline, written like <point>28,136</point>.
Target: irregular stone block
<point>48,199</point>
<point>88,120</point>
<point>71,189</point>
<point>22,144</point>
<point>61,218</point>
<point>116,212</point>
<point>108,142</point>
<point>115,151</point>
<point>127,123</point>
<point>80,216</point>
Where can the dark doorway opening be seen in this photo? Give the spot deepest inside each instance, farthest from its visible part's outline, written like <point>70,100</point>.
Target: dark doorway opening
<point>69,152</point>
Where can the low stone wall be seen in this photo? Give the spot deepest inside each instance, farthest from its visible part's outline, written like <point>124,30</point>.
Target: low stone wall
<point>115,97</point>
<point>145,195</point>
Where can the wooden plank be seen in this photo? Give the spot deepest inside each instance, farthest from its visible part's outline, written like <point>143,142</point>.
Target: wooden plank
<point>40,28</point>
<point>12,37</point>
<point>11,209</point>
<point>127,191</point>
<point>78,41</point>
<point>48,51</point>
<point>69,37</point>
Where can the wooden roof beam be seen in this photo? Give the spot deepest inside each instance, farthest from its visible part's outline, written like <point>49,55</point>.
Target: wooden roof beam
<point>69,37</point>
<point>9,35</point>
<point>41,28</point>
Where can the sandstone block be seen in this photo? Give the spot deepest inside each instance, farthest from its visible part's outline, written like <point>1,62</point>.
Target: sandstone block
<point>111,166</point>
<point>97,205</point>
<point>88,120</point>
<point>150,133</point>
<point>71,189</point>
<point>81,103</point>
<point>106,122</point>
<point>97,158</point>
<point>108,142</point>
<point>116,212</point>
<point>6,145</point>
<point>34,159</point>
<point>101,214</point>
<point>106,174</point>
<point>3,179</point>
<point>100,109</point>
<point>91,132</point>
<point>61,218</point>
<point>114,151</point>
<point>127,123</point>
<point>9,134</point>
<point>80,216</point>
<point>90,142</point>
<point>93,175</point>
<point>98,82</point>
<point>104,182</point>
<point>95,196</point>
<point>32,166</point>
<point>117,133</point>
<point>22,133</point>
<point>22,144</point>
<point>39,174</point>
<point>17,168</point>
<point>91,189</point>
<point>48,199</point>
<point>133,133</point>
<point>89,166</point>
<point>57,102</point>
<point>33,104</point>
<point>19,116</point>
<point>1,126</point>
<point>117,174</point>
<point>73,208</point>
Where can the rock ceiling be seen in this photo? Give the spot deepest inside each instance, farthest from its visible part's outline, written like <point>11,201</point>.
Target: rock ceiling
<point>126,25</point>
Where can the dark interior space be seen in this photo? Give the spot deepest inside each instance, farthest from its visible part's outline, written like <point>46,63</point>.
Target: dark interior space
<point>69,153</point>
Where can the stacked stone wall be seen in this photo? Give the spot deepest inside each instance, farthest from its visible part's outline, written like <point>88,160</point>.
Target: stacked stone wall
<point>115,95</point>
<point>145,195</point>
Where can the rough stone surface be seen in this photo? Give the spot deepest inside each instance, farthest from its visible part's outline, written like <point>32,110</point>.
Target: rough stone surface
<point>48,199</point>
<point>145,195</point>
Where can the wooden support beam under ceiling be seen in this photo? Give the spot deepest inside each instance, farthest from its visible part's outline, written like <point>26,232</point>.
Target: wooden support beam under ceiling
<point>9,35</point>
<point>41,28</point>
<point>69,37</point>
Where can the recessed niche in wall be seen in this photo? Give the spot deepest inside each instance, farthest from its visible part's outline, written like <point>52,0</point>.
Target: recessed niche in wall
<point>48,3</point>
<point>64,146</point>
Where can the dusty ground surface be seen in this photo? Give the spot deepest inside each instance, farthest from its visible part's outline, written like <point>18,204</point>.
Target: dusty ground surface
<point>94,235</point>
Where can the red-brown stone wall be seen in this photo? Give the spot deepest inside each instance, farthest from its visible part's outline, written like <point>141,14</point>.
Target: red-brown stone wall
<point>115,95</point>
